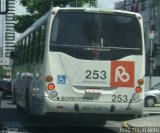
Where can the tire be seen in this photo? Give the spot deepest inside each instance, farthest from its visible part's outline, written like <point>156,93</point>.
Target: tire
<point>29,116</point>
<point>27,109</point>
<point>150,101</point>
<point>3,94</point>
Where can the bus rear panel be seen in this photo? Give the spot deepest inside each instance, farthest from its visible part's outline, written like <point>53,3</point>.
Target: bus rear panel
<point>96,60</point>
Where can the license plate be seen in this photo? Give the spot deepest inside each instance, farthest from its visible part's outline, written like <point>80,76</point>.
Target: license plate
<point>97,91</point>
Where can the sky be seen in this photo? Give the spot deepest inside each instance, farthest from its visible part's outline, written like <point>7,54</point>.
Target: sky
<point>106,3</point>
<point>19,8</point>
<point>109,4</point>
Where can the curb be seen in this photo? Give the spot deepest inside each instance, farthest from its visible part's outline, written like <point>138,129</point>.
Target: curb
<point>157,105</point>
<point>125,124</point>
<point>129,128</point>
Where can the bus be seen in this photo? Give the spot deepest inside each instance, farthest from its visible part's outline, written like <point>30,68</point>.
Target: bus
<point>83,62</point>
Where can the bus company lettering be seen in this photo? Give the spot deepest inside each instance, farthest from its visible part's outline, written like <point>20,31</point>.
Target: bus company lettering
<point>95,108</point>
<point>76,98</point>
<point>122,73</point>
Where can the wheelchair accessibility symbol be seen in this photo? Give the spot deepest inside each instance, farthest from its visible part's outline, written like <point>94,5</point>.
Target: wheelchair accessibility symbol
<point>61,79</point>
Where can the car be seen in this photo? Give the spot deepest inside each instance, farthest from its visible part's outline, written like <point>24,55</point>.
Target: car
<point>152,96</point>
<point>6,89</point>
<point>2,84</point>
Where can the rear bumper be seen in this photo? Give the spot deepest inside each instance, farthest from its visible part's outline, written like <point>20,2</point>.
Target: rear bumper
<point>90,116</point>
<point>64,107</point>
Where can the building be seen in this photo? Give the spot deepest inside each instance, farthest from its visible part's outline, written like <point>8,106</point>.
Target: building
<point>119,4</point>
<point>155,26</point>
<point>150,11</point>
<point>7,34</point>
<point>2,21</point>
<point>9,28</point>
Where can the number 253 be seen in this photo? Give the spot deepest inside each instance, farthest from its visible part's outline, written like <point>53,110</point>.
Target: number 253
<point>96,74</point>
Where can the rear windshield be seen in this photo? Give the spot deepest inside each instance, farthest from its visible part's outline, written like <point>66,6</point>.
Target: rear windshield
<point>89,35</point>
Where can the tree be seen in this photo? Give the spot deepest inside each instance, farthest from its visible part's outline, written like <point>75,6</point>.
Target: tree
<point>37,8</point>
<point>156,50</point>
<point>1,72</point>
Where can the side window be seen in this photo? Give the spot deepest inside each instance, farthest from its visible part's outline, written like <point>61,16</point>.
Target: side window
<point>20,52</point>
<point>27,50</point>
<point>42,44</point>
<point>31,48</point>
<point>24,51</point>
<point>16,51</point>
<point>34,46</point>
<point>38,44</point>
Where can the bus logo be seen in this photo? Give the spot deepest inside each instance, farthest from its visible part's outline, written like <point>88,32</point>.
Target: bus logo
<point>122,73</point>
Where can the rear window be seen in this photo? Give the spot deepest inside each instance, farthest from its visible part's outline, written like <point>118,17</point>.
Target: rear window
<point>96,33</point>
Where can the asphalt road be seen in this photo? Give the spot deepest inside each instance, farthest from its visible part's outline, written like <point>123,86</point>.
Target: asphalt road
<point>13,121</point>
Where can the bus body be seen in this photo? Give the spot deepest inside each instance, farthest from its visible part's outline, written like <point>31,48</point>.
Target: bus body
<point>81,61</point>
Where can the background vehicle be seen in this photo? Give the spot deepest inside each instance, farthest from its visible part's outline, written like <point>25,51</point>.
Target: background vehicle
<point>6,88</point>
<point>152,96</point>
<point>80,61</point>
<point>2,85</point>
<point>7,91</point>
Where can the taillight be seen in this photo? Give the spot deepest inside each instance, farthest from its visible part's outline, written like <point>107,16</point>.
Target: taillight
<point>138,89</point>
<point>51,86</point>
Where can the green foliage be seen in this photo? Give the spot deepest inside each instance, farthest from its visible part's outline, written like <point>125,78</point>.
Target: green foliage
<point>37,8</point>
<point>23,22</point>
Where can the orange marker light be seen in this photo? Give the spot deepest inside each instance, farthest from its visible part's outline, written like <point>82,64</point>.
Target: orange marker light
<point>138,89</point>
<point>51,86</point>
<point>140,82</point>
<point>53,13</point>
<point>139,17</point>
<point>49,78</point>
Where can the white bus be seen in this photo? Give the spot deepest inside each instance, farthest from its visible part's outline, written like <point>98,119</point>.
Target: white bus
<point>82,62</point>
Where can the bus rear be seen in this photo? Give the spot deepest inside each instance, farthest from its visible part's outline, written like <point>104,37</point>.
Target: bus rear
<point>95,63</point>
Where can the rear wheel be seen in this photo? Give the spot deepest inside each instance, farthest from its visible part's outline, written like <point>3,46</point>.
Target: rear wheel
<point>150,101</point>
<point>4,94</point>
<point>27,103</point>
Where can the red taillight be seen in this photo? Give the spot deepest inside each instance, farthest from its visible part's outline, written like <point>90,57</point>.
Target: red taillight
<point>51,86</point>
<point>138,89</point>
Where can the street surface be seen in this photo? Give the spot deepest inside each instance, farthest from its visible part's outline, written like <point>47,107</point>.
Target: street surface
<point>152,110</point>
<point>13,121</point>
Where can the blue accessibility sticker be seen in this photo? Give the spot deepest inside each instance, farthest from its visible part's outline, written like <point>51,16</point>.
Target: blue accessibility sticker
<point>61,79</point>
